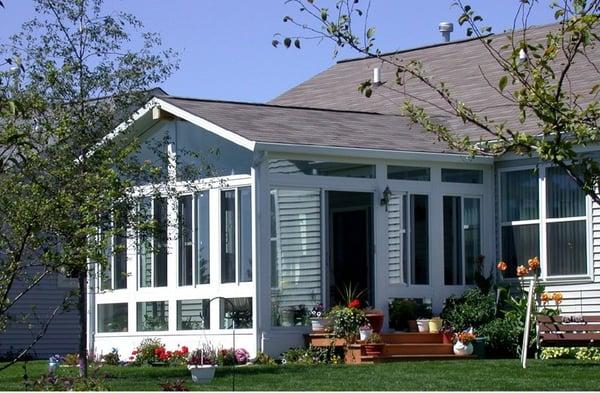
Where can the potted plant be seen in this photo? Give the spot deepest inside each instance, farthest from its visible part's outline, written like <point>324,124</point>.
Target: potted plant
<point>202,364</point>
<point>435,324</point>
<point>365,332</point>
<point>447,333</point>
<point>374,345</point>
<point>375,318</point>
<point>423,313</point>
<point>464,343</point>
<point>401,312</point>
<point>346,320</point>
<point>318,318</point>
<point>53,363</point>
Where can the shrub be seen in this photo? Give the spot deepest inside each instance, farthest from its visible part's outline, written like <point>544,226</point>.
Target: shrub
<point>201,356</point>
<point>111,358</point>
<point>96,381</point>
<point>146,351</point>
<point>401,311</point>
<point>313,355</point>
<point>581,353</point>
<point>345,321</point>
<point>177,385</point>
<point>472,309</point>
<point>504,336</point>
<point>264,359</point>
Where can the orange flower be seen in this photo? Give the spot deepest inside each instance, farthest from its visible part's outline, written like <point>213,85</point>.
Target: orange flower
<point>533,263</point>
<point>501,266</point>
<point>522,271</point>
<point>558,297</point>
<point>545,297</point>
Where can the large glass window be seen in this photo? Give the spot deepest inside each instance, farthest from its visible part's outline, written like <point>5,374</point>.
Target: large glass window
<point>560,222</point>
<point>152,316</point>
<point>321,168</point>
<point>236,235</point>
<point>114,273</point>
<point>238,311</point>
<point>193,314</point>
<point>408,173</point>
<point>112,317</point>
<point>408,239</point>
<point>295,254</point>
<point>185,236</point>
<point>202,238</point>
<point>462,238</point>
<point>152,251</point>
<point>469,176</point>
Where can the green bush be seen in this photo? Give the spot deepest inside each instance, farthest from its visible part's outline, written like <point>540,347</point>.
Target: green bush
<point>504,336</point>
<point>581,353</point>
<point>472,309</point>
<point>313,355</point>
<point>401,311</point>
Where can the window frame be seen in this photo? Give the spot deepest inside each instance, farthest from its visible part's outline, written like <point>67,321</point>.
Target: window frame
<point>237,233</point>
<point>542,221</point>
<point>154,247</point>
<point>194,237</point>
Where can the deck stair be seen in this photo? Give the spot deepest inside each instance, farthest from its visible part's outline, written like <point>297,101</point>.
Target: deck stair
<point>399,346</point>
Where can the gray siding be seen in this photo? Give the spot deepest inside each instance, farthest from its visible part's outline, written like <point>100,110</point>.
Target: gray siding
<point>62,335</point>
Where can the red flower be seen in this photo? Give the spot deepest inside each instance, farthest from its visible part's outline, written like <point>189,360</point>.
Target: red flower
<point>134,353</point>
<point>354,304</point>
<point>184,349</point>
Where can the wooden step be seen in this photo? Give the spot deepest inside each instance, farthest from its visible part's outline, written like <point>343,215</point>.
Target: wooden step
<point>417,349</point>
<point>411,338</point>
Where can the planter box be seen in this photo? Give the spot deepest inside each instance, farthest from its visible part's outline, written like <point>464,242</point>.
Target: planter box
<point>202,374</point>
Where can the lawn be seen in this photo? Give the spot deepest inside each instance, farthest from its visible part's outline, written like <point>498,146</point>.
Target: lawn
<point>477,375</point>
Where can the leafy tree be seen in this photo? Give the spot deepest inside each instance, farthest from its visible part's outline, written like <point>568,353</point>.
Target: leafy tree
<point>554,119</point>
<point>70,76</point>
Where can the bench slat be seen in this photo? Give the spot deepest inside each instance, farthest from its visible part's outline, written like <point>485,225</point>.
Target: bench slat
<point>575,327</point>
<point>560,318</point>
<point>582,337</point>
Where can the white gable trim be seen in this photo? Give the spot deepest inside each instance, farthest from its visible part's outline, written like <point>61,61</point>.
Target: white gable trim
<point>203,123</point>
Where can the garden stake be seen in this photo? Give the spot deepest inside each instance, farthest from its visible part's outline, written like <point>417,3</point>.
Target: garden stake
<point>527,323</point>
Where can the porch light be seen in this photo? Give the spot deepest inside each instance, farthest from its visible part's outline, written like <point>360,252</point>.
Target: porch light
<point>385,197</point>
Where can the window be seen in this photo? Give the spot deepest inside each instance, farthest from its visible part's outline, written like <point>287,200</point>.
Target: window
<point>559,223</point>
<point>112,317</point>
<point>152,252</point>
<point>236,235</point>
<point>193,314</point>
<point>408,239</point>
<point>408,173</point>
<point>295,254</point>
<point>185,235</point>
<point>321,168</point>
<point>191,272</point>
<point>114,274</point>
<point>469,176</point>
<point>202,238</point>
<point>462,238</point>
<point>152,316</point>
<point>238,311</point>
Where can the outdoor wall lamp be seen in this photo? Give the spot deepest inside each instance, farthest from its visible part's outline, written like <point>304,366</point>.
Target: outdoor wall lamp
<point>385,197</point>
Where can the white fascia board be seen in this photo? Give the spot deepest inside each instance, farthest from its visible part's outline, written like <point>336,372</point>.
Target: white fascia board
<point>578,149</point>
<point>372,153</point>
<point>205,124</point>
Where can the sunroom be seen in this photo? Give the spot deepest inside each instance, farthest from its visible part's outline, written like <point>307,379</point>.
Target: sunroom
<point>304,203</point>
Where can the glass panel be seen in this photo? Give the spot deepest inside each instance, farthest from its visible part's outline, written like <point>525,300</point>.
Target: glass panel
<point>296,255</point>
<point>462,176</point>
<point>519,243</point>
<point>202,238</point>
<point>160,242</point>
<point>408,173</point>
<point>563,197</point>
<point>453,260</point>
<point>185,240</point>
<point>228,236</point>
<point>245,211</point>
<point>395,237</point>
<point>152,316</point>
<point>566,248</point>
<point>145,246</point>
<point>419,239</point>
<point>112,317</point>
<point>472,235</point>
<point>321,168</point>
<point>120,256</point>
<point>193,314</point>
<point>106,270</point>
<point>238,310</point>
<point>519,199</point>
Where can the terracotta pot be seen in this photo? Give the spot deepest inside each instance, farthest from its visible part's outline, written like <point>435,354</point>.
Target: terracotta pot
<point>412,326</point>
<point>447,337</point>
<point>375,318</point>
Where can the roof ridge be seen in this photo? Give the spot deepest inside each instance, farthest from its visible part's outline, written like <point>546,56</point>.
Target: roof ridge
<point>274,105</point>
<point>438,44</point>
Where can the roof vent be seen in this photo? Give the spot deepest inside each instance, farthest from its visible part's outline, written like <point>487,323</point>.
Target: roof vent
<point>376,76</point>
<point>446,28</point>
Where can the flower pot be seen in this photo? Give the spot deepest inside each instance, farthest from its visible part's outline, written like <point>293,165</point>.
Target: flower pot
<point>435,324</point>
<point>202,374</point>
<point>365,334</point>
<point>461,349</point>
<point>412,325</point>
<point>319,324</point>
<point>52,366</point>
<point>447,337</point>
<point>375,318</point>
<point>479,347</point>
<point>423,325</point>
<point>373,349</point>
<point>288,317</point>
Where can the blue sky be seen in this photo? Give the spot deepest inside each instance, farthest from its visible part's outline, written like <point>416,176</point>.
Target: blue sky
<point>225,45</point>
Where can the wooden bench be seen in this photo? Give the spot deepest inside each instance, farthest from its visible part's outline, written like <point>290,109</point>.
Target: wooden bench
<point>568,331</point>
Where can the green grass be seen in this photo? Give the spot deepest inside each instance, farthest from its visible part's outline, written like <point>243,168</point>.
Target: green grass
<point>480,375</point>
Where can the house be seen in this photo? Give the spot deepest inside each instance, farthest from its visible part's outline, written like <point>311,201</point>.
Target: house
<point>322,187</point>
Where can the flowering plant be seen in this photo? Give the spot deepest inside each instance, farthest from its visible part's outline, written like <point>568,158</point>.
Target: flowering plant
<point>465,337</point>
<point>56,359</point>
<point>241,356</point>
<point>346,321</point>
<point>202,356</point>
<point>318,311</point>
<point>354,303</point>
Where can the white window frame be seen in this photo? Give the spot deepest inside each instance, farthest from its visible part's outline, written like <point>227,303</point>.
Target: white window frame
<point>542,222</point>
<point>237,234</point>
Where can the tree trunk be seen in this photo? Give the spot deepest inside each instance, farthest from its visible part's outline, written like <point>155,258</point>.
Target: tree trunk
<point>82,306</point>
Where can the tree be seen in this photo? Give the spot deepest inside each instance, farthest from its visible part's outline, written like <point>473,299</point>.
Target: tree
<point>73,74</point>
<point>555,120</point>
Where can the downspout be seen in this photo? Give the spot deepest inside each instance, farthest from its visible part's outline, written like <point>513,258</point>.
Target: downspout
<point>257,162</point>
<point>91,323</point>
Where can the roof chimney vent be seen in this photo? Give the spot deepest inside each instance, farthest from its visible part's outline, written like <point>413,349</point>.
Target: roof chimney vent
<point>376,76</point>
<point>446,28</point>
